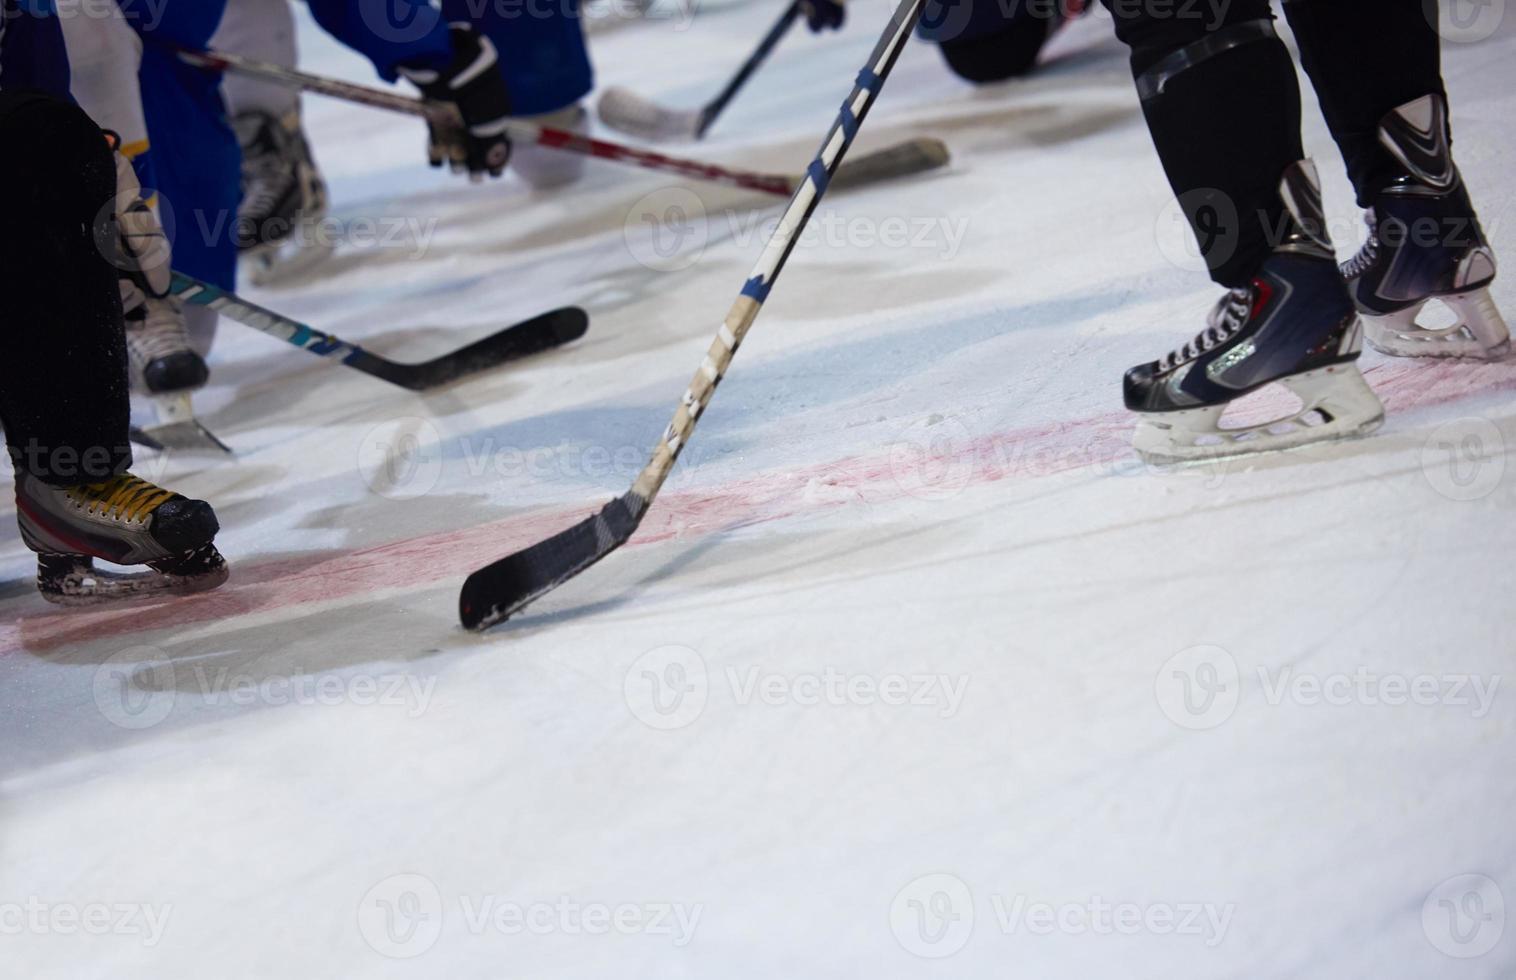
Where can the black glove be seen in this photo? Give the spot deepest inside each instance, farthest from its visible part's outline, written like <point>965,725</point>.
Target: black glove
<point>471,81</point>
<point>823,15</point>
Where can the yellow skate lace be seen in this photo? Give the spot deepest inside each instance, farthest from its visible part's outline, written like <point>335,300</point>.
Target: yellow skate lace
<point>123,496</point>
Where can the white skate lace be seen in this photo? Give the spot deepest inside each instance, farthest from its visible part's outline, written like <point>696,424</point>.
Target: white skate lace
<point>266,179</point>
<point>267,174</point>
<point>158,334</point>
<point>1227,317</point>
<point>1367,255</point>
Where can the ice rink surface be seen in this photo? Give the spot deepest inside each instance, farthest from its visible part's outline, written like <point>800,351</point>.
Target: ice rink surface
<point>911,672</point>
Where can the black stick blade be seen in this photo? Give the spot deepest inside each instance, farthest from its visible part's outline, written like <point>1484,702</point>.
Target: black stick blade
<point>493,593</point>
<point>914,156</point>
<point>541,333</point>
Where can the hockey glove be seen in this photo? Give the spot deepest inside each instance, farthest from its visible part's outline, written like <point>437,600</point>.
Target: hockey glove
<point>823,15</point>
<point>134,240</point>
<point>471,81</point>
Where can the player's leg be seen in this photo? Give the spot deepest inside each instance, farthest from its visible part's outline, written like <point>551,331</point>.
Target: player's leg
<point>63,381</point>
<point>282,189</point>
<point>1223,107</point>
<point>196,156</point>
<point>547,71</point>
<point>1376,68</point>
<point>105,55</point>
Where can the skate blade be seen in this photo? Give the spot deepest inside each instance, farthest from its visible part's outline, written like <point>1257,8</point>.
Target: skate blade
<point>188,436</point>
<point>281,264</point>
<point>179,430</point>
<point>82,584</point>
<point>141,438</point>
<point>1478,331</point>
<point>1336,403</point>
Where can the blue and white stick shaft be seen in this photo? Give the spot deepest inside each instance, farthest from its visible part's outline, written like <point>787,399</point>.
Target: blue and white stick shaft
<point>804,201</point>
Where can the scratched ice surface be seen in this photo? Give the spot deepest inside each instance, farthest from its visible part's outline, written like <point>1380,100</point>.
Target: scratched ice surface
<point>911,671</point>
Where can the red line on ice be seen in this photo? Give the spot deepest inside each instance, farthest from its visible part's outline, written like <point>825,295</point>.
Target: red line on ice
<point>269,586</point>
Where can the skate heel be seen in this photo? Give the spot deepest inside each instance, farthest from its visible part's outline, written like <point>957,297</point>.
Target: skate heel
<point>1478,331</point>
<point>1336,403</point>
<point>65,580</point>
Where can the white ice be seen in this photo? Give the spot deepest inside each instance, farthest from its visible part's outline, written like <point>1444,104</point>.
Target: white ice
<point>912,670</point>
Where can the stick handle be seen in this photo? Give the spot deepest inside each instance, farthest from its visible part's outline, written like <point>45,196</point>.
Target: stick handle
<point>760,54</point>
<point>524,132</point>
<point>744,311</point>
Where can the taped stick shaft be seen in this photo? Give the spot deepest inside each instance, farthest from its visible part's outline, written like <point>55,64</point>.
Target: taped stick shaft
<point>807,196</point>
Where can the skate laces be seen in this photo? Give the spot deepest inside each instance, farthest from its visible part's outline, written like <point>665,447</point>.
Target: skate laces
<point>1229,315</point>
<point>1368,254</point>
<point>124,496</point>
<point>158,333</point>
<point>267,172</point>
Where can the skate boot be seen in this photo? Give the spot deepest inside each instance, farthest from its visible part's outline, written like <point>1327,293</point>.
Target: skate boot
<point>122,520</point>
<point>158,347</point>
<point>281,191</point>
<point>1294,324</point>
<point>1425,244</point>
<point>166,367</point>
<point>544,169</point>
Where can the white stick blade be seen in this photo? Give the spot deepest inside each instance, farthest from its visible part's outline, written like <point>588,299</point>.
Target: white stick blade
<point>626,111</point>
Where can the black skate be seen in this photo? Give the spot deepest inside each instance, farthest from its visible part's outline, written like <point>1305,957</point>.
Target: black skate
<point>123,520</point>
<point>166,368</point>
<point>1294,324</point>
<point>1425,244</point>
<point>283,194</point>
<point>158,347</point>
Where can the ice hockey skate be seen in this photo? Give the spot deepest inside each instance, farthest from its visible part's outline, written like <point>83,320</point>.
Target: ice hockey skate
<point>1425,247</point>
<point>166,368</point>
<point>1294,324</point>
<point>544,169</point>
<point>123,520</point>
<point>283,199</point>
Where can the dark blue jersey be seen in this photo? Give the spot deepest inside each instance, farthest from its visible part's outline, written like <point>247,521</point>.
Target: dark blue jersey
<point>32,55</point>
<point>388,32</point>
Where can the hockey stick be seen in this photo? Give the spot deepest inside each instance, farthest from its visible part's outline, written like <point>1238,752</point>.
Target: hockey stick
<point>540,333</point>
<point>444,115</point>
<point>492,594</point>
<point>921,154</point>
<point>629,112</point>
